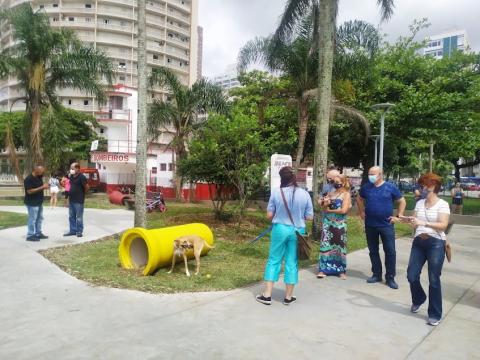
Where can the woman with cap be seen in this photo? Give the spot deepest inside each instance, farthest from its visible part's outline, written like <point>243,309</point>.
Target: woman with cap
<point>283,243</point>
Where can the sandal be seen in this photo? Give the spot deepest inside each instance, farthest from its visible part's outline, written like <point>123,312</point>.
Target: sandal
<point>321,275</point>
<point>343,276</point>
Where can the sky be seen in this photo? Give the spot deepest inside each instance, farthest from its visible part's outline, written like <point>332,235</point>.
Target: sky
<point>229,24</point>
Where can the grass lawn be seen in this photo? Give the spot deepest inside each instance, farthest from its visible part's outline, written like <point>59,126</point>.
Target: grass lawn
<point>9,219</point>
<point>92,201</point>
<point>471,206</point>
<point>232,264</point>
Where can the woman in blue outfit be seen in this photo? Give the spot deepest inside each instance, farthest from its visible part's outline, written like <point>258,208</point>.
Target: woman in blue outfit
<point>333,245</point>
<point>283,244</point>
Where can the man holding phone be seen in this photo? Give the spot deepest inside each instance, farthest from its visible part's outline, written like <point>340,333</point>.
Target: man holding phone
<point>375,206</point>
<point>34,187</point>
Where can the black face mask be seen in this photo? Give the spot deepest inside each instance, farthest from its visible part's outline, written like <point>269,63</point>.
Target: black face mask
<point>338,186</point>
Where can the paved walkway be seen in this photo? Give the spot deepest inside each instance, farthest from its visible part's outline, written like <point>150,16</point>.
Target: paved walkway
<point>47,314</point>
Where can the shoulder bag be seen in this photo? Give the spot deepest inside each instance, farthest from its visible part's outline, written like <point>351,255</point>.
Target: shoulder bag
<point>304,247</point>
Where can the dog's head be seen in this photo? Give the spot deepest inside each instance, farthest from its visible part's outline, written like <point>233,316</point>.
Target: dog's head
<point>182,244</point>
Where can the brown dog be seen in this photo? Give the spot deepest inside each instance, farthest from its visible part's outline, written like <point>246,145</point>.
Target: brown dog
<point>184,243</point>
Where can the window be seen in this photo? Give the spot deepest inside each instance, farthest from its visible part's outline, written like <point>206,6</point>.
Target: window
<point>55,5</point>
<point>180,63</point>
<point>106,21</point>
<point>155,57</point>
<point>122,65</point>
<point>163,167</point>
<point>88,19</point>
<point>69,101</point>
<point>71,18</point>
<point>170,167</point>
<point>55,19</point>
<point>123,23</point>
<point>169,60</point>
<point>88,6</point>
<point>102,130</point>
<point>170,35</point>
<point>42,6</point>
<point>86,102</point>
<point>122,78</point>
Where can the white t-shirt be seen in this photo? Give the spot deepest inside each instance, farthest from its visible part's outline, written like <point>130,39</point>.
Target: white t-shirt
<point>431,215</point>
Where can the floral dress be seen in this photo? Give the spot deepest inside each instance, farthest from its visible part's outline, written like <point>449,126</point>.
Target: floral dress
<point>333,245</point>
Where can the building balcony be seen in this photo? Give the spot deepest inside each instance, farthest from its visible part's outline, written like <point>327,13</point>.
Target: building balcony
<point>116,12</point>
<point>73,24</point>
<point>179,4</point>
<point>106,114</point>
<point>116,28</point>
<point>79,107</point>
<point>182,30</point>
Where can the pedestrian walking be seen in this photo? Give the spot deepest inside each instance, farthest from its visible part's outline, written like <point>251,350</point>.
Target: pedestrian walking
<point>34,187</point>
<point>457,199</point>
<point>430,222</point>
<point>375,206</point>
<point>76,197</point>
<point>288,208</point>
<point>54,184</point>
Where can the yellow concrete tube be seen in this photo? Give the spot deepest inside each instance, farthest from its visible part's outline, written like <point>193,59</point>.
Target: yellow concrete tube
<point>152,249</point>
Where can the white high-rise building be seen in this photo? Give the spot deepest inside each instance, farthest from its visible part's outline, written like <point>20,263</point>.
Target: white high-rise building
<point>444,44</point>
<point>229,79</point>
<point>110,25</point>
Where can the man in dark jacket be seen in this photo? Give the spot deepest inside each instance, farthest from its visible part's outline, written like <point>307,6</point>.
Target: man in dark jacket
<point>34,187</point>
<point>76,196</point>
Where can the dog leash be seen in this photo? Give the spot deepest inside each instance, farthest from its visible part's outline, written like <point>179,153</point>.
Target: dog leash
<point>265,232</point>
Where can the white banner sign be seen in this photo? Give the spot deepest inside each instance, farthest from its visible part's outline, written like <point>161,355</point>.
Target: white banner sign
<point>94,146</point>
<point>277,162</point>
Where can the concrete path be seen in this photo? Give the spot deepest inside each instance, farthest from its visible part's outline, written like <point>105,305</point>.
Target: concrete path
<point>47,314</point>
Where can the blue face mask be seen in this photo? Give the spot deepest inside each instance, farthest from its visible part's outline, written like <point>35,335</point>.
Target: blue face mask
<point>372,178</point>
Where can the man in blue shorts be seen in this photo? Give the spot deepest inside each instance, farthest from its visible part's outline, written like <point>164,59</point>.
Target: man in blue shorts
<point>375,206</point>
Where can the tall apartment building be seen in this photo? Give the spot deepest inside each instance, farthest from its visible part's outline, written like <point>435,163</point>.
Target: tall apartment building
<point>444,44</point>
<point>200,53</point>
<point>110,25</point>
<point>229,79</point>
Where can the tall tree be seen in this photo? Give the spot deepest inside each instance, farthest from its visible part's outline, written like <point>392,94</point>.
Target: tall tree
<point>327,14</point>
<point>46,59</point>
<point>181,112</point>
<point>297,61</point>
<point>141,158</point>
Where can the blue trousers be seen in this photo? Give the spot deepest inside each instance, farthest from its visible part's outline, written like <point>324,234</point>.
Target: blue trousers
<point>283,245</point>
<point>76,218</point>
<point>431,250</point>
<point>35,219</point>
<point>387,233</point>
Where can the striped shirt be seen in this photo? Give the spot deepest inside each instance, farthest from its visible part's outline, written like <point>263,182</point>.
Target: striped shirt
<point>430,215</point>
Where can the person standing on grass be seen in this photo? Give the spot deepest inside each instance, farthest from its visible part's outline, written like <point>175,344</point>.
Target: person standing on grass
<point>283,243</point>
<point>54,184</point>
<point>333,245</point>
<point>76,197</point>
<point>375,207</point>
<point>457,199</point>
<point>34,187</point>
<point>430,222</point>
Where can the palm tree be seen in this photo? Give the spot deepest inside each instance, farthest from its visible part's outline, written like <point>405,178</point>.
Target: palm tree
<point>141,158</point>
<point>296,59</point>
<point>43,60</point>
<point>181,112</point>
<point>326,11</point>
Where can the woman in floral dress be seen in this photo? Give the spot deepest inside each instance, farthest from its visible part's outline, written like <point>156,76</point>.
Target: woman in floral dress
<point>333,246</point>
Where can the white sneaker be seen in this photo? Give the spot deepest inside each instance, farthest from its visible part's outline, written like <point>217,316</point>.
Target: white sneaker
<point>433,322</point>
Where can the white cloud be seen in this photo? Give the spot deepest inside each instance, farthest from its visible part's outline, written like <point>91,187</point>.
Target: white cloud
<point>229,24</point>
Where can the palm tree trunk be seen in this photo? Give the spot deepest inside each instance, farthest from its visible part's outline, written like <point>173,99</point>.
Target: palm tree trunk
<point>35,156</point>
<point>179,155</point>
<point>12,152</point>
<point>141,158</point>
<point>302,130</point>
<point>326,33</point>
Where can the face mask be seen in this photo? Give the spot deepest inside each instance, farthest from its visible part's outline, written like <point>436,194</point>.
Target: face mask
<point>338,186</point>
<point>372,178</point>
<point>72,172</point>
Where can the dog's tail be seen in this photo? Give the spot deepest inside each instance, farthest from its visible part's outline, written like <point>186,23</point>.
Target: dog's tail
<point>208,246</point>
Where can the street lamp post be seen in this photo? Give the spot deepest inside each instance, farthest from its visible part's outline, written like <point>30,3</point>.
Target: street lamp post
<point>375,138</point>
<point>384,108</point>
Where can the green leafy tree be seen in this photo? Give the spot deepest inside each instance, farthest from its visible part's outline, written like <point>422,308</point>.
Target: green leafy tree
<point>45,59</point>
<point>181,113</point>
<point>229,152</point>
<point>325,14</point>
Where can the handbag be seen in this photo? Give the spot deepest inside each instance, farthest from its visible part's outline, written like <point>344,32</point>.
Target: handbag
<point>304,247</point>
